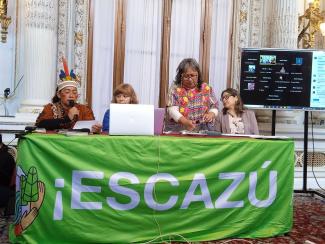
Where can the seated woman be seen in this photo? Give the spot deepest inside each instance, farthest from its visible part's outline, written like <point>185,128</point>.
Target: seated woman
<point>64,111</point>
<point>123,94</point>
<point>234,119</point>
<point>191,103</point>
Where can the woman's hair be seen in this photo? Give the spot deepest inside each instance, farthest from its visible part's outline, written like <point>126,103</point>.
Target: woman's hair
<point>125,89</point>
<point>239,109</point>
<point>183,66</point>
<point>55,98</point>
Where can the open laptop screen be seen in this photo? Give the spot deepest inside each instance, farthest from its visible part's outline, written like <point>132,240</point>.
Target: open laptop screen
<point>131,119</point>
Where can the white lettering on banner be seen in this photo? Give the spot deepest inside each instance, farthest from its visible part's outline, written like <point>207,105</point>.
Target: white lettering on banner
<point>115,187</point>
<point>78,188</point>
<point>222,200</point>
<point>150,198</point>
<point>205,197</point>
<point>58,206</point>
<point>272,190</point>
<point>149,191</point>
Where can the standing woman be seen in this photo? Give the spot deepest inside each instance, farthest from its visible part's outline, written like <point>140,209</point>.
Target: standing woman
<point>191,104</point>
<point>234,119</point>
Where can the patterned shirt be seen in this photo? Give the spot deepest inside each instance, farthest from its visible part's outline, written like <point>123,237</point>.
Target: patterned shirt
<point>55,111</point>
<point>192,103</point>
<point>236,125</point>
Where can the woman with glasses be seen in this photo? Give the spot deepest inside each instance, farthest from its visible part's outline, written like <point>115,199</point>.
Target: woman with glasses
<point>234,119</point>
<point>191,103</point>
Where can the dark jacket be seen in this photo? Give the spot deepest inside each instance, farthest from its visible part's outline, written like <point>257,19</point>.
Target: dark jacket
<point>7,166</point>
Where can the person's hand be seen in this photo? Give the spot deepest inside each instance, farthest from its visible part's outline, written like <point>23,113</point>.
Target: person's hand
<point>208,117</point>
<point>28,218</point>
<point>73,112</point>
<point>187,123</point>
<point>96,128</point>
<point>41,193</point>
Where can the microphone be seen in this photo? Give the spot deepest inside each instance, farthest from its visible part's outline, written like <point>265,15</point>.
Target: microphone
<point>82,130</point>
<point>6,92</point>
<point>30,128</point>
<point>71,103</point>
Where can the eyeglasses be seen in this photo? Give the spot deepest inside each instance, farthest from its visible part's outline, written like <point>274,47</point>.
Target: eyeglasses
<point>226,97</point>
<point>189,76</point>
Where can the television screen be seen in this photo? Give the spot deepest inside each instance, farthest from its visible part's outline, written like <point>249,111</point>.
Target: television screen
<point>283,79</point>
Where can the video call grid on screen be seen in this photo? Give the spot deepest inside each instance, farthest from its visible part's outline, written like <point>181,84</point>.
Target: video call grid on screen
<point>283,79</point>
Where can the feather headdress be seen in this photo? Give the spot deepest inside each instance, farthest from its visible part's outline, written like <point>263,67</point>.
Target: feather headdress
<point>66,78</point>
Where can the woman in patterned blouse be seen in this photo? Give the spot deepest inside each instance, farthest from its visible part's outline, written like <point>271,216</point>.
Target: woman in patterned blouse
<point>191,104</point>
<point>64,111</point>
<point>234,119</point>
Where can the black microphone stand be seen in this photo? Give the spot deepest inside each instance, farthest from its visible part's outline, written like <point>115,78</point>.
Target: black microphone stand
<point>304,185</point>
<point>305,162</point>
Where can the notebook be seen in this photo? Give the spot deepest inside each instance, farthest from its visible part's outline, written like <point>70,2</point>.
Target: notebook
<point>159,120</point>
<point>131,119</point>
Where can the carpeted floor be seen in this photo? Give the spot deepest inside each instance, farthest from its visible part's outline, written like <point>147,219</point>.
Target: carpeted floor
<point>309,224</point>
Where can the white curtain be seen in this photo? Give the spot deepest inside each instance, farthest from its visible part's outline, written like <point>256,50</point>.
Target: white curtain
<point>142,49</point>
<point>220,44</point>
<point>103,56</point>
<point>185,33</point>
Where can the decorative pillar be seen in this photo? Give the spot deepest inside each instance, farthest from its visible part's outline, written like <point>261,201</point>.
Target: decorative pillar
<point>247,32</point>
<point>73,39</point>
<point>284,27</point>
<point>265,23</point>
<point>40,48</point>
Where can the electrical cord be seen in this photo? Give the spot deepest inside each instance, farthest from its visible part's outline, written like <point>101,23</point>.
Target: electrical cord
<point>154,189</point>
<point>11,141</point>
<point>313,154</point>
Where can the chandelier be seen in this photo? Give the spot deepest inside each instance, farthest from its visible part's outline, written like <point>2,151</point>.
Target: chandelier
<point>310,23</point>
<point>4,20</point>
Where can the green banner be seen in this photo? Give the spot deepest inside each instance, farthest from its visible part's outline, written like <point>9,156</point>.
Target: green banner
<point>114,189</point>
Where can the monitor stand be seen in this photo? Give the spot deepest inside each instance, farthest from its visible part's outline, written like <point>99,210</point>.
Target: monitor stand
<point>304,184</point>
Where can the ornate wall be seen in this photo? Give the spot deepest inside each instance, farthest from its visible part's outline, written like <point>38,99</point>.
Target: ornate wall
<point>73,38</point>
<point>52,30</point>
<point>261,23</point>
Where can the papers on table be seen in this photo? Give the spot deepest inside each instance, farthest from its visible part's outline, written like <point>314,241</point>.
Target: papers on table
<point>84,124</point>
<point>258,136</point>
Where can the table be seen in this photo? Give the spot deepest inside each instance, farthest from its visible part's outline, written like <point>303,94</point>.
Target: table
<point>139,188</point>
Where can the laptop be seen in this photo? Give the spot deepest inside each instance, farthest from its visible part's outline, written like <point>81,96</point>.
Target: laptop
<point>131,119</point>
<point>159,120</point>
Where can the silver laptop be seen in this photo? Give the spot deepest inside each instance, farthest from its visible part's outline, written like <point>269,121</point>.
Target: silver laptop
<point>131,119</point>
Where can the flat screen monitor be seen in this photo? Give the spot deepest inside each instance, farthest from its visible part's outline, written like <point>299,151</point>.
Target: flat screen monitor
<point>283,79</point>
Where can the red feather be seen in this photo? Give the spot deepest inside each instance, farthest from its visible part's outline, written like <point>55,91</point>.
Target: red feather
<point>65,66</point>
